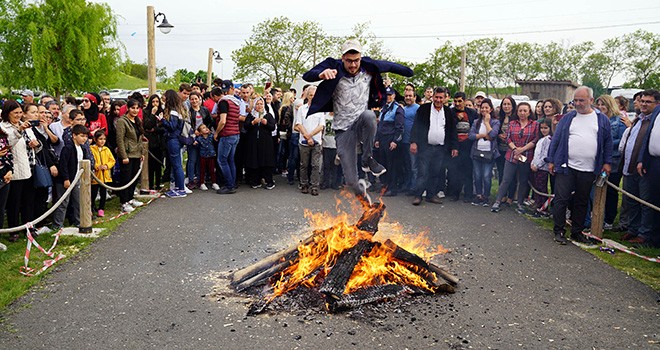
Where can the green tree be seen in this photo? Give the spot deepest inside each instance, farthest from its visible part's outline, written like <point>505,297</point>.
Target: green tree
<point>372,46</point>
<point>562,61</point>
<point>281,49</point>
<point>644,49</point>
<point>63,45</point>
<point>484,56</point>
<point>519,61</point>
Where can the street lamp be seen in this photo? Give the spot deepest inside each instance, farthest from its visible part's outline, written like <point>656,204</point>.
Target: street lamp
<point>217,57</point>
<point>165,27</point>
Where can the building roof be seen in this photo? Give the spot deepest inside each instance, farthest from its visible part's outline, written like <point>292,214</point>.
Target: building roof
<point>547,82</point>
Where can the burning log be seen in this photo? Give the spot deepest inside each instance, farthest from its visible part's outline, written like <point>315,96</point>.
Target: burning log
<point>367,295</point>
<point>335,282</point>
<point>414,259</point>
<point>245,277</point>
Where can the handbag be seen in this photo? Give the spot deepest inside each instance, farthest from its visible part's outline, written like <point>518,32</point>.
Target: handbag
<point>484,156</point>
<point>41,175</point>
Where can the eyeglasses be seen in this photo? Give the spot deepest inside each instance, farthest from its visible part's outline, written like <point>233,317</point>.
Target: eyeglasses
<point>646,102</point>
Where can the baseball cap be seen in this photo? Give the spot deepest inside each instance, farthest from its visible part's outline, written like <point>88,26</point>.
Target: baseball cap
<point>351,45</point>
<point>226,85</point>
<point>389,91</point>
<point>480,94</point>
<point>27,92</point>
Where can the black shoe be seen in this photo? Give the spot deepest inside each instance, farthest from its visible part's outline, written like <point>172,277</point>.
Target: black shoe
<point>371,165</point>
<point>580,238</point>
<point>417,201</point>
<point>559,238</point>
<point>304,189</point>
<point>453,198</point>
<point>225,190</point>
<point>434,199</point>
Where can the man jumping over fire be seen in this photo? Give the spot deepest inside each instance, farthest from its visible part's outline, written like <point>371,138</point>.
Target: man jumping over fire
<point>351,87</point>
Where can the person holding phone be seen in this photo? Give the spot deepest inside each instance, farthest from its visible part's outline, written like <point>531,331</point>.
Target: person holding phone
<point>95,119</point>
<point>6,173</point>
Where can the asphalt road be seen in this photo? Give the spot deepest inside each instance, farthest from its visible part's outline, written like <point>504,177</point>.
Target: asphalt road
<point>158,282</point>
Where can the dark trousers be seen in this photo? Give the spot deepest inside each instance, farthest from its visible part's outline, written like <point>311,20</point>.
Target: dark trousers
<point>103,194</point>
<point>501,162</point>
<point>540,183</point>
<point>254,176</point>
<point>331,174</point>
<point>639,216</point>
<point>283,154</point>
<point>207,165</point>
<point>459,173</point>
<point>293,163</point>
<point>40,202</point>
<point>155,168</point>
<point>4,194</point>
<point>126,174</point>
<point>431,164</point>
<point>392,162</point>
<point>19,202</point>
<point>580,182</point>
<point>653,172</point>
<point>239,158</point>
<point>511,172</point>
<point>612,198</point>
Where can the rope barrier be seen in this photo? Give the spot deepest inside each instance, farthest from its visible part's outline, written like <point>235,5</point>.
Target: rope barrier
<point>156,158</point>
<point>49,211</point>
<point>539,192</point>
<point>632,196</point>
<point>621,248</point>
<point>25,269</point>
<point>100,182</point>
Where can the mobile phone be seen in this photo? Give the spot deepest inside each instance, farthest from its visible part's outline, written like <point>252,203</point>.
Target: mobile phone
<point>5,148</point>
<point>35,122</point>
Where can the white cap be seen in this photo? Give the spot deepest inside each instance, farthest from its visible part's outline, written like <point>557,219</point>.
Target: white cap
<point>351,45</point>
<point>480,94</point>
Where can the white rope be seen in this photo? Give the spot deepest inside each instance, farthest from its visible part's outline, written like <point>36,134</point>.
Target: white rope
<point>49,211</point>
<point>100,182</point>
<point>539,192</point>
<point>632,196</point>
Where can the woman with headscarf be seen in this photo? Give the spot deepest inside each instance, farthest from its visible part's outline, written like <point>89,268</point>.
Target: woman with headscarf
<point>259,153</point>
<point>152,131</point>
<point>95,119</point>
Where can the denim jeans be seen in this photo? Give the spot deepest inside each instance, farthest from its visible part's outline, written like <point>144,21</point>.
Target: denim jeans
<point>192,168</point>
<point>640,217</point>
<point>511,171</point>
<point>226,151</point>
<point>174,154</point>
<point>483,177</point>
<point>294,157</point>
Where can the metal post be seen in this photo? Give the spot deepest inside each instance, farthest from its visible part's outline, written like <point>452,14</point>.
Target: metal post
<point>151,50</point>
<point>85,197</point>
<point>209,71</point>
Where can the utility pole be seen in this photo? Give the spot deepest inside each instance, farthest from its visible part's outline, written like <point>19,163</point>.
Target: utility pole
<point>151,50</point>
<point>463,61</point>
<point>209,70</point>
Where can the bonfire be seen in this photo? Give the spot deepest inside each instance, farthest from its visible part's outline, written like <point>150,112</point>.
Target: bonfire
<point>348,264</point>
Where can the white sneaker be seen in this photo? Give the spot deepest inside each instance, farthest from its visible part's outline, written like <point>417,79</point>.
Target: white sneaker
<point>185,181</point>
<point>441,194</point>
<point>44,230</point>
<point>135,203</point>
<point>187,190</point>
<point>127,208</point>
<point>362,183</point>
<point>203,187</point>
<point>215,187</point>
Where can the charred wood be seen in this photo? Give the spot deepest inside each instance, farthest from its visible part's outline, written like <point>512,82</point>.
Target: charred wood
<point>335,282</point>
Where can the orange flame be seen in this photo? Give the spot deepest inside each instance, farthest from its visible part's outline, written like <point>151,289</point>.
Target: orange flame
<point>333,236</point>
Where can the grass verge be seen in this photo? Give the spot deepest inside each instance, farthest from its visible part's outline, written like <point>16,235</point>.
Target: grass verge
<point>13,285</point>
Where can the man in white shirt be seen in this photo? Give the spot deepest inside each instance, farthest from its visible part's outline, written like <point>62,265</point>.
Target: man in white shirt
<point>310,127</point>
<point>648,167</point>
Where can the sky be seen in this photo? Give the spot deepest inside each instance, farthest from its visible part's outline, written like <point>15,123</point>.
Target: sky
<point>409,29</point>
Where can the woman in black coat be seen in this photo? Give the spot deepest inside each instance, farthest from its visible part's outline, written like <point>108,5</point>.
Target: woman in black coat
<point>259,153</point>
<point>151,114</point>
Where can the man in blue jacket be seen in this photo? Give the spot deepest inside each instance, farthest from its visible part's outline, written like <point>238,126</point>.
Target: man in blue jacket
<point>581,149</point>
<point>351,87</point>
<point>388,138</point>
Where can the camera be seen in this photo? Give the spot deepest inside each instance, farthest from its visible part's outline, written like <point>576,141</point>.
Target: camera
<point>35,122</point>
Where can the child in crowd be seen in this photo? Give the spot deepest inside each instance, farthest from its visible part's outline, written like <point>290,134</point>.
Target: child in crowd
<point>207,154</point>
<point>540,167</point>
<point>104,161</point>
<point>71,155</point>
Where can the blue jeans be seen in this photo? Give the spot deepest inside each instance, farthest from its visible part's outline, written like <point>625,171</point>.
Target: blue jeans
<point>226,151</point>
<point>483,177</point>
<point>174,154</point>
<point>640,217</point>
<point>192,168</point>
<point>294,157</point>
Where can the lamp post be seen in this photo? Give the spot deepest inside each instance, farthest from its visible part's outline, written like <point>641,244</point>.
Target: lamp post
<point>213,55</point>
<point>165,27</point>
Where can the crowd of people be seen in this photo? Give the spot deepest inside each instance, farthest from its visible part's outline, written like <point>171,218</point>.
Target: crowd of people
<point>427,146</point>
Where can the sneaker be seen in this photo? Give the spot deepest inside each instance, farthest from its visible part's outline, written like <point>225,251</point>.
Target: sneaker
<point>215,187</point>
<point>186,190</point>
<point>520,210</point>
<point>559,238</point>
<point>270,186</point>
<point>175,194</point>
<point>182,193</point>
<point>186,181</point>
<point>477,202</point>
<point>441,194</point>
<point>314,191</point>
<point>101,213</point>
<point>203,187</point>
<point>43,230</point>
<point>225,190</point>
<point>485,203</point>
<point>496,207</point>
<point>127,208</point>
<point>371,165</point>
<point>304,189</point>
<point>607,226</point>
<point>256,186</point>
<point>135,203</point>
<point>362,183</point>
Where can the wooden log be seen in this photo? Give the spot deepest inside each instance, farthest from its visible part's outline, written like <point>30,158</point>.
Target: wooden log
<point>263,276</point>
<point>368,222</point>
<point>406,256</point>
<point>335,282</point>
<point>598,211</point>
<point>365,296</point>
